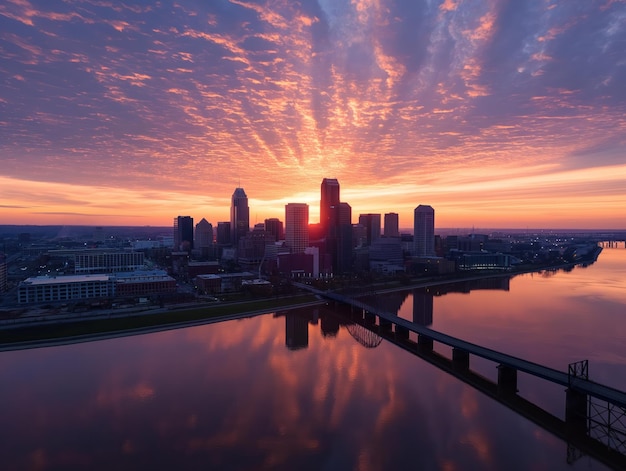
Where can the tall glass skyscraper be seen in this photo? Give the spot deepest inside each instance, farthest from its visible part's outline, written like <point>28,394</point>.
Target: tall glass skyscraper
<point>372,223</point>
<point>391,225</point>
<point>297,226</point>
<point>329,202</point>
<point>239,216</point>
<point>183,233</point>
<point>424,231</point>
<point>204,234</point>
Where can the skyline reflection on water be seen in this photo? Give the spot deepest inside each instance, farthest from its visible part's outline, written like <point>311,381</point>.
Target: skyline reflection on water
<point>295,390</point>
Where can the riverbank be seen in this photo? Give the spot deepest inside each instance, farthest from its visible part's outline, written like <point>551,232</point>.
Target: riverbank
<point>53,330</point>
<point>108,324</point>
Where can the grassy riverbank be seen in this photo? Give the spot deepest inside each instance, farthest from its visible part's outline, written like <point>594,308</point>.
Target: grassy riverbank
<point>111,322</point>
<point>86,326</point>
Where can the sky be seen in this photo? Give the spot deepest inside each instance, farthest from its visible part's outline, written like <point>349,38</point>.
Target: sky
<point>498,113</point>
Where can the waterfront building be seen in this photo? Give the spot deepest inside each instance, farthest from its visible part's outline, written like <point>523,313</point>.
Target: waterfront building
<point>209,283</point>
<point>392,228</point>
<point>483,260</point>
<point>239,216</point>
<point>143,283</point>
<point>371,222</point>
<point>297,226</point>
<point>41,289</point>
<point>183,233</point>
<point>424,231</point>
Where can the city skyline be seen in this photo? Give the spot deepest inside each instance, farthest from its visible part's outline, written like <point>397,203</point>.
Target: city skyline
<point>132,114</point>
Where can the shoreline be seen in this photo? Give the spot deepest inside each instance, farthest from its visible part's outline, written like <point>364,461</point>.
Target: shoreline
<point>106,325</point>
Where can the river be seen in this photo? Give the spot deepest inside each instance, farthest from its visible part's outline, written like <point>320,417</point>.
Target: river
<point>305,390</point>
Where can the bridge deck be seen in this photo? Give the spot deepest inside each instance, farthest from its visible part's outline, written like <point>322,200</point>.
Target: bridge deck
<point>600,391</point>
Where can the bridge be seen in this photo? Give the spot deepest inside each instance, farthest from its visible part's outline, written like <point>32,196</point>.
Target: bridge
<point>595,414</point>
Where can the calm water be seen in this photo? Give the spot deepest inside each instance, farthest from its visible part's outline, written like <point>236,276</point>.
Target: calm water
<point>297,391</point>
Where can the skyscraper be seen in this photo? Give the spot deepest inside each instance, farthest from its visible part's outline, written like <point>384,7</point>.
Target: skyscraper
<point>239,216</point>
<point>204,234</point>
<point>343,261</point>
<point>372,223</point>
<point>297,226</point>
<point>424,231</point>
<point>275,227</point>
<point>391,225</point>
<point>183,233</point>
<point>223,233</point>
<point>329,202</point>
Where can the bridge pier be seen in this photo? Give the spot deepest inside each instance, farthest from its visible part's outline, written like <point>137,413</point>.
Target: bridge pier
<point>424,342</point>
<point>370,317</point>
<point>460,359</point>
<point>507,380</point>
<point>576,411</point>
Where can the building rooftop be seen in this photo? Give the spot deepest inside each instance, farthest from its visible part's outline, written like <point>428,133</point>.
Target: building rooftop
<point>49,280</point>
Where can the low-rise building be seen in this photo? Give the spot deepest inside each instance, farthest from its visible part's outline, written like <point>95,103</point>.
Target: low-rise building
<point>64,288</point>
<point>143,283</point>
<point>209,284</point>
<point>41,289</point>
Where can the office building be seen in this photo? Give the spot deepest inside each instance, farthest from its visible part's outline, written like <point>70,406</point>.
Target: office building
<point>342,263</point>
<point>275,227</point>
<point>329,202</point>
<point>143,283</point>
<point>223,233</point>
<point>297,226</point>
<point>239,216</point>
<point>64,288</point>
<point>251,248</point>
<point>371,222</point>
<point>102,260</point>
<point>183,233</point>
<point>82,287</point>
<point>204,234</point>
<point>424,231</point>
<point>204,248</point>
<point>96,261</point>
<point>392,228</point>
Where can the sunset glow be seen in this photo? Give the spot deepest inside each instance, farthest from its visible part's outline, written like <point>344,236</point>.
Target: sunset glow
<point>497,113</point>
